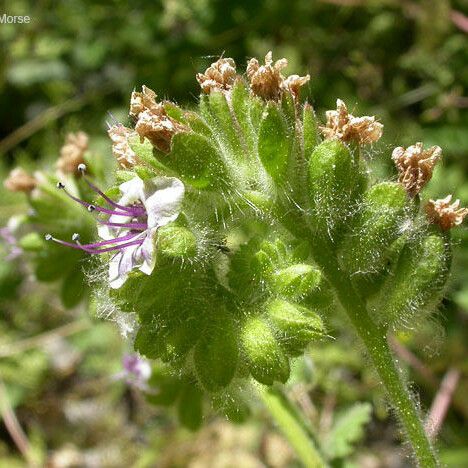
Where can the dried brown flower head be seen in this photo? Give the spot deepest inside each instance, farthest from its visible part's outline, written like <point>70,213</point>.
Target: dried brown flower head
<point>345,127</point>
<point>220,76</point>
<point>152,121</point>
<point>20,181</point>
<point>267,81</point>
<point>444,214</point>
<point>72,152</point>
<point>121,149</point>
<point>415,165</point>
<point>146,100</point>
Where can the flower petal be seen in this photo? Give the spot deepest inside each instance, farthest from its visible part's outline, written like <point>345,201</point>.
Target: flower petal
<point>132,192</point>
<point>147,253</point>
<point>164,204</point>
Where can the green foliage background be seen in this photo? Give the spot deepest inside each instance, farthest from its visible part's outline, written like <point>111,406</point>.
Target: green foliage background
<point>77,61</point>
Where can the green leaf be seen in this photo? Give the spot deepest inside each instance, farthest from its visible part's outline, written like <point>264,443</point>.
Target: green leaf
<point>274,143</point>
<point>348,428</point>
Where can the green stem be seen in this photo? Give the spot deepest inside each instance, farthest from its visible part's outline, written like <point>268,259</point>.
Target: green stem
<point>290,424</point>
<point>375,340</point>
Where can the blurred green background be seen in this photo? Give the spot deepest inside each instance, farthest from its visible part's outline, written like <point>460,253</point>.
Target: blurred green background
<point>75,63</point>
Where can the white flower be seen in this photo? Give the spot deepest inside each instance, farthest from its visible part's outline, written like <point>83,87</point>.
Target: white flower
<point>130,230</point>
<point>161,199</point>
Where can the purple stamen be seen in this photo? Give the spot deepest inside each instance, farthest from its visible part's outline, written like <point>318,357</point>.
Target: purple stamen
<point>135,230</point>
<point>132,211</point>
<point>112,241</point>
<point>91,248</point>
<point>139,226</point>
<point>82,169</point>
<point>113,249</point>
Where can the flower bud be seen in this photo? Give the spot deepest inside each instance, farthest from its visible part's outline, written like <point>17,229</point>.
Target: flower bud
<point>176,242</point>
<point>20,181</point>
<point>332,179</point>
<point>216,353</point>
<point>296,325</point>
<point>296,280</point>
<point>274,143</point>
<point>32,242</point>
<point>266,360</point>
<point>415,284</point>
<point>376,227</point>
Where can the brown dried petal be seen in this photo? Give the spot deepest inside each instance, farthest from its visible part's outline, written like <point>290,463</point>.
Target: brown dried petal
<point>220,76</point>
<point>295,82</point>
<point>72,152</point>
<point>146,100</point>
<point>345,127</point>
<point>121,149</point>
<point>158,129</point>
<point>266,81</point>
<point>444,214</point>
<point>20,181</point>
<point>415,165</point>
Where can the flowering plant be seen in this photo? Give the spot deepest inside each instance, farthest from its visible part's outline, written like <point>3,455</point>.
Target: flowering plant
<point>238,230</point>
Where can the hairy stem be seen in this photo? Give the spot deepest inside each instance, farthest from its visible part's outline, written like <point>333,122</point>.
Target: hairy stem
<point>375,340</point>
<point>290,424</point>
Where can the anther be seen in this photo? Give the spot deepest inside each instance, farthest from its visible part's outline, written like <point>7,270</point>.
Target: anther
<point>60,185</point>
<point>91,208</point>
<point>75,237</point>
<point>48,237</point>
<point>82,168</point>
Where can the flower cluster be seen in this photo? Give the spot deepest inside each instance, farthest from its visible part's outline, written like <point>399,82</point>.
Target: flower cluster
<point>415,166</point>
<point>344,126</point>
